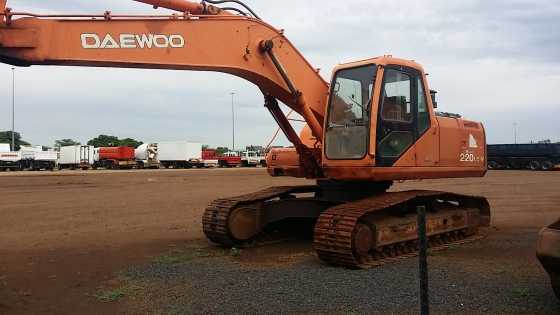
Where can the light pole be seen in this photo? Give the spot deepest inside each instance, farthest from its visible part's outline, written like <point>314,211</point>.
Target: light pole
<point>515,133</point>
<point>232,123</point>
<point>13,107</point>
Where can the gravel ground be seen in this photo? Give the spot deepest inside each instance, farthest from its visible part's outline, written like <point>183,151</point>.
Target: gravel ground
<point>468,279</point>
<point>65,235</point>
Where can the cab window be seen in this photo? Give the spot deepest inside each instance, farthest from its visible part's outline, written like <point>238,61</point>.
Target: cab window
<point>423,113</point>
<point>396,97</point>
<point>348,118</point>
<point>395,129</point>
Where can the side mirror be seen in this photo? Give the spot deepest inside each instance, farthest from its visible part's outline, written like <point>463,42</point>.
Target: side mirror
<point>433,95</point>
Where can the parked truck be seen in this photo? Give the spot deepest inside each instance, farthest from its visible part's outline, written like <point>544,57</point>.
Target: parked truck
<point>35,158</point>
<point>534,156</point>
<point>227,159</point>
<point>114,157</point>
<point>209,158</point>
<point>179,154</point>
<point>252,159</point>
<point>10,161</point>
<point>27,158</point>
<point>230,159</point>
<point>146,155</point>
<point>76,156</point>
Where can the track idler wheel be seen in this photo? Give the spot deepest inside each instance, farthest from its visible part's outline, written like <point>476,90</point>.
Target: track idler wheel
<point>242,223</point>
<point>362,241</point>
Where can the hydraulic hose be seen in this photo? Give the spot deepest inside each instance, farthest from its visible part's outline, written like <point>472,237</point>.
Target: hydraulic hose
<point>234,1</point>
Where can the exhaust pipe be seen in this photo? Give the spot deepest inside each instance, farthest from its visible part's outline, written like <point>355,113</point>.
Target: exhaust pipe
<point>183,6</point>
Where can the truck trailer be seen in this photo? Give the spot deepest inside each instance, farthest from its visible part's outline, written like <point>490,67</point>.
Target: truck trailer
<point>114,157</point>
<point>35,158</point>
<point>27,158</point>
<point>534,156</point>
<point>179,154</point>
<point>76,156</point>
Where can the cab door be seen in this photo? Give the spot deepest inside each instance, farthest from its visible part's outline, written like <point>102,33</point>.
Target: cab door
<point>427,145</point>
<point>347,128</point>
<point>396,127</point>
<point>406,134</point>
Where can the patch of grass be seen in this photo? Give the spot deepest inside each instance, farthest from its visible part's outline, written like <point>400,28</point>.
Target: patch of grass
<point>110,295</point>
<point>521,292</point>
<point>178,256</point>
<point>115,294</point>
<point>171,259</point>
<point>348,311</point>
<point>235,252</point>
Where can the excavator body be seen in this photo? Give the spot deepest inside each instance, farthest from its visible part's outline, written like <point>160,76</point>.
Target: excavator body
<point>373,124</point>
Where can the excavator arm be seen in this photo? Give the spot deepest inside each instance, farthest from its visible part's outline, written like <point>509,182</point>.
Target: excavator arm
<point>199,37</point>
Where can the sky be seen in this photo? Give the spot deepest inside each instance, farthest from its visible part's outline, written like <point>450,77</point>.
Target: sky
<point>492,61</point>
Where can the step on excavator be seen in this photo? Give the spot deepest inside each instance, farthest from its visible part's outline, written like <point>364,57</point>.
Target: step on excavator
<point>375,123</point>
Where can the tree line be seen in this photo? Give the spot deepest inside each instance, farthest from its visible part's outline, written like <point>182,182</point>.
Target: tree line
<point>101,141</point>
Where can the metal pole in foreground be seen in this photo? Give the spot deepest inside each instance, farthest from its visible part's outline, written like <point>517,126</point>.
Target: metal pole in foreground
<point>423,261</point>
<point>232,123</point>
<point>13,107</point>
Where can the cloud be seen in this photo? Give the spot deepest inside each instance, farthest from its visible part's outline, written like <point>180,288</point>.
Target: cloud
<point>496,62</point>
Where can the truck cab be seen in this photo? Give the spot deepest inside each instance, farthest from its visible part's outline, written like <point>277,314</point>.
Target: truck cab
<point>252,159</point>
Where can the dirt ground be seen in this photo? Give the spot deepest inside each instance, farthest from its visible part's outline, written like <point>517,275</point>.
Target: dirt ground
<point>64,235</point>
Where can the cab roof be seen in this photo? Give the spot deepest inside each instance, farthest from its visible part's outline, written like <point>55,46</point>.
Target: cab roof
<point>381,60</point>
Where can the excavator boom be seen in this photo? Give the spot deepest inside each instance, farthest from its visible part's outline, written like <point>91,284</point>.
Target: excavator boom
<point>215,40</point>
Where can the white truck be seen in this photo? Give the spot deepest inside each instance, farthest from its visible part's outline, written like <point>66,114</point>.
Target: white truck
<point>179,154</point>
<point>27,158</point>
<point>146,155</point>
<point>252,159</point>
<point>10,161</point>
<point>76,156</point>
<point>34,158</point>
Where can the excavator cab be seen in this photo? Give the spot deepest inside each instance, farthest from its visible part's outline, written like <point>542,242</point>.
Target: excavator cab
<point>381,118</point>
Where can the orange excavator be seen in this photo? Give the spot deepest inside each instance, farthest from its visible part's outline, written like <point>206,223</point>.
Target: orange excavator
<point>375,123</point>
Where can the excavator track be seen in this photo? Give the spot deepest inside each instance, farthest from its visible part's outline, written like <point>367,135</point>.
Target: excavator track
<point>381,229</point>
<point>216,216</point>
